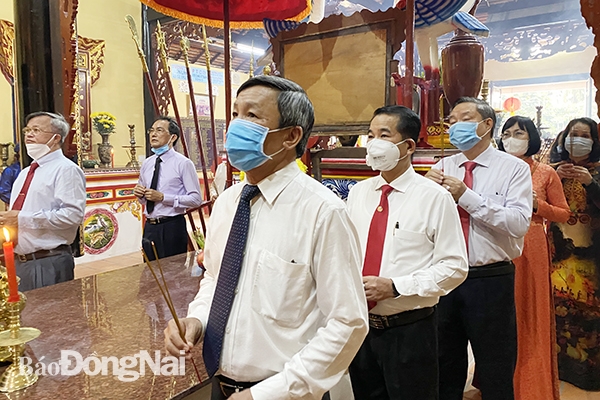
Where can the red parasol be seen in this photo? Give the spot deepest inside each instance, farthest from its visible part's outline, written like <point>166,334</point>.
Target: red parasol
<point>229,14</point>
<point>243,14</point>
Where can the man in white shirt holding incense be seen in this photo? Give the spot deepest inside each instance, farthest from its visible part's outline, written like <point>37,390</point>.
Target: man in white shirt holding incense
<point>414,253</point>
<point>494,194</point>
<point>281,311</point>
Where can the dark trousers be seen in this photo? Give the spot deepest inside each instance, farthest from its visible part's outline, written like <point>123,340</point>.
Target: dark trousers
<point>34,274</point>
<point>218,393</point>
<point>398,363</point>
<point>169,237</point>
<point>482,311</point>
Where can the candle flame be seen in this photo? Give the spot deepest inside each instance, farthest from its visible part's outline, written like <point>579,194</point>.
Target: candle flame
<point>6,235</point>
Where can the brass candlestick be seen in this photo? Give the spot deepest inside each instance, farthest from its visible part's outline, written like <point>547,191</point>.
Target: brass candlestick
<point>5,354</point>
<point>4,155</point>
<point>16,377</point>
<point>133,162</point>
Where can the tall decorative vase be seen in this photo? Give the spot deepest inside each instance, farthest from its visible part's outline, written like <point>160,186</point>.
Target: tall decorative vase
<point>105,151</point>
<point>462,67</point>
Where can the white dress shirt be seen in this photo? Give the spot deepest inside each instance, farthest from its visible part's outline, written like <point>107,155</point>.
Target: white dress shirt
<point>424,251</point>
<point>300,314</point>
<point>54,206</point>
<point>500,204</point>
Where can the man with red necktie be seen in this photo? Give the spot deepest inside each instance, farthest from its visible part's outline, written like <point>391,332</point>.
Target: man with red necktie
<point>47,205</point>
<point>413,250</point>
<point>493,192</point>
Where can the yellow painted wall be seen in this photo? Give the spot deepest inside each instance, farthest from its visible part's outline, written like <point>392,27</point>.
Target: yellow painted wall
<point>6,119</point>
<point>119,89</point>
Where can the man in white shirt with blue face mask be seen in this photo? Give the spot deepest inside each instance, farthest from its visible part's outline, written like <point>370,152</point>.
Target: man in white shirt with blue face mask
<point>493,191</point>
<point>168,186</point>
<point>47,205</point>
<point>281,310</point>
<point>413,253</point>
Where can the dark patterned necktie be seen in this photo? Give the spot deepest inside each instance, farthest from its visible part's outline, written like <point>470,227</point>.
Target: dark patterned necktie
<point>229,275</point>
<point>154,184</point>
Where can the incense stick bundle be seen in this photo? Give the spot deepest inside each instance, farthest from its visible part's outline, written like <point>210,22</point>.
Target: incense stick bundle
<point>164,290</point>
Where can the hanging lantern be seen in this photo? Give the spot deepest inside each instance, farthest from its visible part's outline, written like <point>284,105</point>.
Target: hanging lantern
<point>511,105</point>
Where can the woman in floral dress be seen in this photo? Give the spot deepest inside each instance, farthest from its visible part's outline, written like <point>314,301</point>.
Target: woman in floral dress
<point>576,257</point>
<point>535,374</point>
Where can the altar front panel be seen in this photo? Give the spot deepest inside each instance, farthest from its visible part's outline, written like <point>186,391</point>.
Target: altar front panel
<point>113,221</point>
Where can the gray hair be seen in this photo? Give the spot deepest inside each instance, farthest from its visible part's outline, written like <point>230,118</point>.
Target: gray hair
<point>59,124</point>
<point>484,109</point>
<point>295,109</point>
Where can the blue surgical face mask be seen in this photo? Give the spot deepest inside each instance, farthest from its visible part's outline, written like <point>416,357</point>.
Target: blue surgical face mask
<point>245,144</point>
<point>159,151</point>
<point>463,135</point>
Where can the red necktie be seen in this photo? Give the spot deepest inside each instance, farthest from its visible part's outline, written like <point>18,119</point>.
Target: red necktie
<point>376,237</point>
<point>465,218</point>
<point>21,197</point>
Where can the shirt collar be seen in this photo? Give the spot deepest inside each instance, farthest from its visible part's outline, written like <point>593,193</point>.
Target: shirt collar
<point>484,159</point>
<point>401,183</point>
<point>167,154</point>
<point>273,185</point>
<point>53,155</point>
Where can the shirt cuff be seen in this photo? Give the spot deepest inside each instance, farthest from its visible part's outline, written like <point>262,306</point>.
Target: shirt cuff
<point>169,199</point>
<point>470,201</point>
<point>404,285</point>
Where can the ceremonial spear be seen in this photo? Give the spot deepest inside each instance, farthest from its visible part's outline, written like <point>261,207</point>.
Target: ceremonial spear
<point>185,46</point>
<point>142,56</point>
<point>210,100</point>
<point>162,48</point>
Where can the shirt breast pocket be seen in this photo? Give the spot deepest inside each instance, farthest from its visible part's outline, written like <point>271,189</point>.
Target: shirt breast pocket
<point>280,289</point>
<point>408,243</point>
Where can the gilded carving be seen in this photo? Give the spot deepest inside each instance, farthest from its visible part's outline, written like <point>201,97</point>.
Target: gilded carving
<point>7,37</point>
<point>93,48</point>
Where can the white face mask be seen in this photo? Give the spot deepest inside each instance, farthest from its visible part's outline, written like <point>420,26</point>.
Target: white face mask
<point>578,146</point>
<point>383,155</point>
<point>38,150</point>
<point>516,147</point>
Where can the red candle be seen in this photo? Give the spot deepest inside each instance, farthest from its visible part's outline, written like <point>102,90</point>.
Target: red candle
<point>9,259</point>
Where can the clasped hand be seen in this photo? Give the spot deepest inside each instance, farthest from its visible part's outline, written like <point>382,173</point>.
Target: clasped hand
<point>576,172</point>
<point>149,194</point>
<point>455,186</point>
<point>9,218</point>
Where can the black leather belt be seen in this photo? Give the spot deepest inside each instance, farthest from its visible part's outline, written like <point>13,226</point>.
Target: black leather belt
<point>403,318</point>
<point>229,386</point>
<point>44,253</point>
<point>161,220</point>
<point>495,269</point>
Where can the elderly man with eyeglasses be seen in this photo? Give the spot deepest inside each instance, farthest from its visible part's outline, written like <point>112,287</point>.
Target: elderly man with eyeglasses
<point>168,186</point>
<point>47,205</point>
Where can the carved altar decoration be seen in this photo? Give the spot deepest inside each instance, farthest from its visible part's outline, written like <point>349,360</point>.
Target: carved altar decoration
<point>89,63</point>
<point>591,13</point>
<point>318,56</point>
<point>7,37</point>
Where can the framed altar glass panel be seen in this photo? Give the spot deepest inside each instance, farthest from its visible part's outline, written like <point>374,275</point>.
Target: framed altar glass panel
<point>344,64</point>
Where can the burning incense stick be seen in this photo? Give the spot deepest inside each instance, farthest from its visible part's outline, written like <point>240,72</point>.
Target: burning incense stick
<point>442,128</point>
<point>164,290</point>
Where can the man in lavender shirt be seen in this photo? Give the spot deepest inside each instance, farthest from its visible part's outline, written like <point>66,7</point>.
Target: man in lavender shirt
<point>168,185</point>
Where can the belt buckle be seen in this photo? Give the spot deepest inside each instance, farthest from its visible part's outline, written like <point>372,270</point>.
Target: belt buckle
<point>21,257</point>
<point>377,322</point>
<point>226,386</point>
